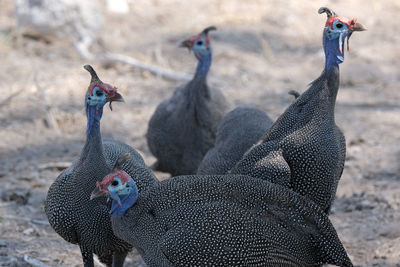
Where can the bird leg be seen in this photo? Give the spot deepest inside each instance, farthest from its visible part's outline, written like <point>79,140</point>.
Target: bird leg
<point>119,258</point>
<point>87,257</point>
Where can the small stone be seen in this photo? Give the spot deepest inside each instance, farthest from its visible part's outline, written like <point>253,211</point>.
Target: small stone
<point>19,195</point>
<point>3,243</point>
<point>30,232</point>
<point>348,208</point>
<point>20,198</point>
<point>357,141</point>
<point>364,205</point>
<point>388,172</point>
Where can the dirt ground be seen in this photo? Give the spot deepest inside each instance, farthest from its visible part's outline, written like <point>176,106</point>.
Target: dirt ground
<point>262,49</point>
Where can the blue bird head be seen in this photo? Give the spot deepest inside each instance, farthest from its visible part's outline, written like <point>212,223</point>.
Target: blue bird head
<point>200,44</point>
<point>337,29</point>
<point>119,187</point>
<point>99,93</point>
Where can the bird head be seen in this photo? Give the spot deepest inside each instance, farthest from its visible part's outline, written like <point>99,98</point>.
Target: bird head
<point>99,93</point>
<point>200,44</point>
<point>119,187</point>
<point>115,184</point>
<point>338,28</point>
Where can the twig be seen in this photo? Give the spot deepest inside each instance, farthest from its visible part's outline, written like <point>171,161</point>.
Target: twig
<point>10,217</point>
<point>6,204</point>
<point>55,165</point>
<point>7,99</point>
<point>10,97</point>
<point>50,118</point>
<point>163,72</point>
<point>34,262</point>
<point>40,222</point>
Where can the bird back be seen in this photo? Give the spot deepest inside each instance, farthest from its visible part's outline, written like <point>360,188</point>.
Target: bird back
<point>229,220</point>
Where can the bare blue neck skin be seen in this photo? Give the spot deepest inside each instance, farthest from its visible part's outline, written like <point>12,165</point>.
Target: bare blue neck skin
<point>204,64</point>
<point>127,201</point>
<point>333,57</point>
<point>94,114</point>
<point>92,153</point>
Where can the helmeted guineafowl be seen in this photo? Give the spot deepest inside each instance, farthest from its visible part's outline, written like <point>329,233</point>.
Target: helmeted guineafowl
<point>237,132</point>
<point>70,213</point>
<point>220,220</point>
<point>183,127</point>
<point>304,149</point>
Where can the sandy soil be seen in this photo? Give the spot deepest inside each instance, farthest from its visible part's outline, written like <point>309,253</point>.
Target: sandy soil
<point>262,50</point>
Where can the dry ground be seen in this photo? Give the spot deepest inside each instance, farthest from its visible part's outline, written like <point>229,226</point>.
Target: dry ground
<point>261,50</point>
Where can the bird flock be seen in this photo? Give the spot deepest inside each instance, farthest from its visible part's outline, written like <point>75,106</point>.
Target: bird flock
<point>244,191</point>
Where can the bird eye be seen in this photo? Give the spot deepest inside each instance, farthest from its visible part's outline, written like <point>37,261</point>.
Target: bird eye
<point>200,42</point>
<point>127,185</point>
<point>339,25</point>
<point>114,183</point>
<point>99,93</point>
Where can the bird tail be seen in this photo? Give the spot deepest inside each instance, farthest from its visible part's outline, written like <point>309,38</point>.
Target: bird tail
<point>294,93</point>
<point>334,253</point>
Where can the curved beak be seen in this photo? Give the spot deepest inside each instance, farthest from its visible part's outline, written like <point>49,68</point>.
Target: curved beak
<point>358,27</point>
<point>97,192</point>
<point>187,43</point>
<point>116,97</point>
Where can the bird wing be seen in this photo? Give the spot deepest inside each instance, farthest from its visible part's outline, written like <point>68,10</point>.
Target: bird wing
<point>222,233</point>
<point>265,162</point>
<point>208,233</point>
<point>231,220</point>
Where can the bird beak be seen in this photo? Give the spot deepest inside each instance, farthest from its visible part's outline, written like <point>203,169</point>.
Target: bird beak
<point>358,27</point>
<point>187,43</point>
<point>97,192</point>
<point>116,97</point>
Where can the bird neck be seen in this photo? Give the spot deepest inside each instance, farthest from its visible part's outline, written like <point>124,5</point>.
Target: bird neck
<point>127,201</point>
<point>320,98</point>
<point>333,56</point>
<point>203,66</point>
<point>93,146</point>
<point>322,94</point>
<point>332,77</point>
<point>93,114</point>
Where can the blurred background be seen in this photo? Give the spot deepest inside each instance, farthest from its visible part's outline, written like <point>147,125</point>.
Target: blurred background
<point>262,49</point>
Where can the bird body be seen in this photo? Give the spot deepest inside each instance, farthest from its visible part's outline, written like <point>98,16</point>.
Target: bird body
<point>79,221</point>
<point>304,149</point>
<point>225,220</point>
<point>69,211</point>
<point>183,127</point>
<point>237,132</point>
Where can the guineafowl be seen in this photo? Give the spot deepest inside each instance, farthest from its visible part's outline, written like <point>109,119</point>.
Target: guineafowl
<point>304,149</point>
<point>220,220</point>
<point>69,211</point>
<point>237,132</point>
<point>183,127</point>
